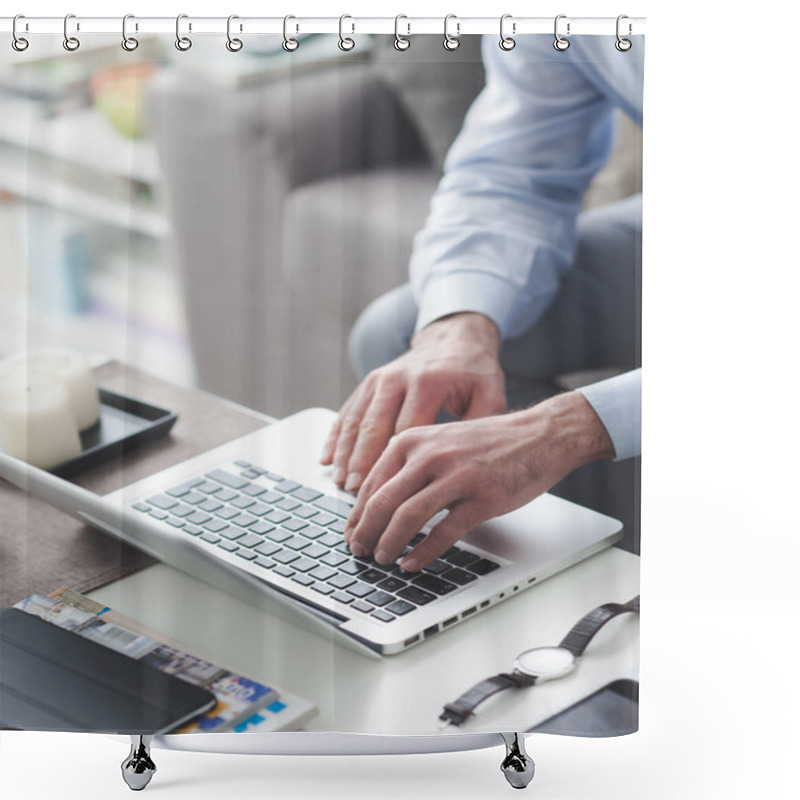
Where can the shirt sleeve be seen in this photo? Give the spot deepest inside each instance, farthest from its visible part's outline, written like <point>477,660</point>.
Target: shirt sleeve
<point>501,230</point>
<point>618,403</point>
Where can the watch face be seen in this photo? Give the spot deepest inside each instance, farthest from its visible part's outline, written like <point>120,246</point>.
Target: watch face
<point>545,663</point>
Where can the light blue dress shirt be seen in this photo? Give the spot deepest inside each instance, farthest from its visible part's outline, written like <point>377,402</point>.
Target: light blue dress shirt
<point>501,230</point>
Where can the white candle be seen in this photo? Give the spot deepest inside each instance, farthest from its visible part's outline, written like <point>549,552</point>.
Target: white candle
<point>37,423</point>
<point>73,369</point>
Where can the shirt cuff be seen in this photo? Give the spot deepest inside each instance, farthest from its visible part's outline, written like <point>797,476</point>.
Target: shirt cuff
<point>467,291</point>
<point>618,403</point>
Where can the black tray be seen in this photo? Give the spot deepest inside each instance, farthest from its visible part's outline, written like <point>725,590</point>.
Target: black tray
<point>124,425</point>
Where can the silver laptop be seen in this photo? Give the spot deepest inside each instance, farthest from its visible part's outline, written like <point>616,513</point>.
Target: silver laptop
<point>261,518</point>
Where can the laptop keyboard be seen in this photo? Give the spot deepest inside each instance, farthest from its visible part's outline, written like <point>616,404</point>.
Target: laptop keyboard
<point>295,531</point>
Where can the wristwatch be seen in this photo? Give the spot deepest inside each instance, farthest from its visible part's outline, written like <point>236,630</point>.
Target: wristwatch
<point>539,664</point>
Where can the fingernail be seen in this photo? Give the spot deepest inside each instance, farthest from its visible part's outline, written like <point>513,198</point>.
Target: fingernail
<point>348,532</point>
<point>356,549</point>
<point>353,482</point>
<point>382,557</point>
<point>338,476</point>
<point>409,564</point>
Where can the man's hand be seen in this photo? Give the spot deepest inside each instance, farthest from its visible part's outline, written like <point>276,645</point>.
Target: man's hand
<point>453,364</point>
<point>476,469</point>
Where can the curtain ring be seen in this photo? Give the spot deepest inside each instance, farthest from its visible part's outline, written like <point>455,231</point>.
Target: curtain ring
<point>19,43</point>
<point>623,45</point>
<point>233,44</point>
<point>401,42</point>
<point>289,45</point>
<point>346,42</point>
<point>451,42</point>
<point>561,43</point>
<point>71,43</point>
<point>183,43</point>
<point>507,42</point>
<point>129,43</point>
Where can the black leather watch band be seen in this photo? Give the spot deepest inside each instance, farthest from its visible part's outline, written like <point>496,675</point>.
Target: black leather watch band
<point>458,711</point>
<point>577,640</point>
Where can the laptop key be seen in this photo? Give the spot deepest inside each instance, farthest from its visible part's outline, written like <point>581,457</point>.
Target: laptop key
<point>483,567</point>
<point>382,616</point>
<point>287,486</point>
<point>184,488</point>
<point>162,501</point>
<point>250,540</point>
<point>334,559</point>
<point>353,568</point>
<point>176,522</point>
<point>194,498</point>
<point>141,506</point>
<point>267,548</point>
<point>461,558</point>
<point>242,463</point>
<point>342,597</point>
<point>338,526</point>
<point>315,551</point>
<point>362,590</point>
<point>287,504</point>
<point>229,546</point>
<point>364,608</point>
<point>459,576</point>
<point>433,584</point>
<point>244,520</point>
<point>243,501</point>
<point>303,580</point>
<point>286,556</point>
<point>267,563</point>
<point>216,525</point>
<point>228,512</point>
<point>379,598</point>
<point>372,575</point>
<point>304,512</point>
<point>259,509</point>
<point>330,540</point>
<point>295,524</point>
<point>231,481</point>
<point>247,555</point>
<point>231,533</point>
<point>284,572</point>
<point>262,528</point>
<point>314,532</point>
<point>340,507</point>
<point>279,535</point>
<point>341,581</point>
<point>192,530</point>
<point>297,543</point>
<point>209,487</point>
<point>182,510</point>
<point>210,537</point>
<point>210,505</point>
<point>322,573</point>
<point>249,474</point>
<point>391,584</point>
<point>277,517</point>
<point>226,495</point>
<point>304,565</point>
<point>270,497</point>
<point>158,514</point>
<point>437,567</point>
<point>417,596</point>
<point>400,607</point>
<point>322,588</point>
<point>306,494</point>
<point>198,518</point>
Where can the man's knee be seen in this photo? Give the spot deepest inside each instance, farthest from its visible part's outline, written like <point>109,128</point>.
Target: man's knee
<point>383,330</point>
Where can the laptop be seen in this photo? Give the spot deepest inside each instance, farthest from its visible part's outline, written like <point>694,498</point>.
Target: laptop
<point>260,518</point>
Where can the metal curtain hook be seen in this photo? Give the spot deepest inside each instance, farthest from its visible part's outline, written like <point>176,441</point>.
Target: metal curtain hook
<point>623,45</point>
<point>346,42</point>
<point>129,43</point>
<point>71,43</point>
<point>233,44</point>
<point>19,43</point>
<point>182,42</point>
<point>401,42</point>
<point>289,45</point>
<point>507,42</point>
<point>451,42</point>
<point>561,43</point>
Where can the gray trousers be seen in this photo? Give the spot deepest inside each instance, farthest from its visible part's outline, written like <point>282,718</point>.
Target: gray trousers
<point>594,322</point>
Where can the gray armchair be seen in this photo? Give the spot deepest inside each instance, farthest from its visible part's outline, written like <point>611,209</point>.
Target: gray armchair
<point>294,204</point>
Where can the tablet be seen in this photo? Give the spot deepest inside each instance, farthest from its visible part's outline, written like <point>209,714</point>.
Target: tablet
<point>52,679</point>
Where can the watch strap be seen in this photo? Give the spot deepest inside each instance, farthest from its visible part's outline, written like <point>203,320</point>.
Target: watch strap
<point>577,640</point>
<point>459,710</point>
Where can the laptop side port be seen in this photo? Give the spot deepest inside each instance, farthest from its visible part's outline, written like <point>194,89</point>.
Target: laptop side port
<point>411,641</point>
<point>448,622</point>
<point>469,611</point>
<point>430,631</point>
<point>485,603</point>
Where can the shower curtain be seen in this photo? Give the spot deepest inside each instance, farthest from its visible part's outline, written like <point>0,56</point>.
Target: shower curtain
<point>443,244</point>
